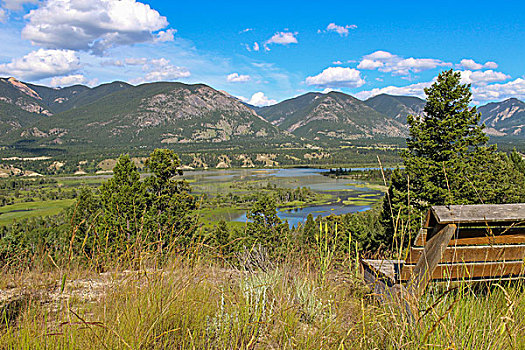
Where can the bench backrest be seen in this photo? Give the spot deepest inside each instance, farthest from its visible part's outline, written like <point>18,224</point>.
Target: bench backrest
<point>469,242</point>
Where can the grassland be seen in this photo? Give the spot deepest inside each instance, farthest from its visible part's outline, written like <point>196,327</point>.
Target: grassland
<point>19,211</point>
<point>209,305</point>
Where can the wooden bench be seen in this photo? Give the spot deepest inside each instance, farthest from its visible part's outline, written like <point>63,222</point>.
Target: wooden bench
<point>457,243</point>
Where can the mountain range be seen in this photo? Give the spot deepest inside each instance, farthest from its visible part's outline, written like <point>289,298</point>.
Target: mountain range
<point>168,113</point>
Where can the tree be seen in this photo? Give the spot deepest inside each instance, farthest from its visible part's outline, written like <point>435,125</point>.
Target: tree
<point>123,200</point>
<point>264,226</point>
<point>447,160</point>
<point>170,204</point>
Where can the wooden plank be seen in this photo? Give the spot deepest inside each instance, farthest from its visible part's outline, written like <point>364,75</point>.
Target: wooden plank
<point>421,238</point>
<point>383,267</point>
<point>488,240</point>
<point>462,254</point>
<point>479,213</point>
<point>468,271</point>
<point>423,271</point>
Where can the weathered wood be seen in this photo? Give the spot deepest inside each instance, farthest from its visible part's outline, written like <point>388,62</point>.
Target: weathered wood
<point>488,240</point>
<point>478,213</point>
<point>385,268</point>
<point>468,271</point>
<point>432,253</point>
<point>421,238</point>
<point>463,254</point>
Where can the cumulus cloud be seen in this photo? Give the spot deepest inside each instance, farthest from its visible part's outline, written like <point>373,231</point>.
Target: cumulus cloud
<point>160,70</point>
<point>255,46</point>
<point>473,65</point>
<point>481,93</point>
<point>3,15</point>
<point>95,25</point>
<point>495,92</point>
<point>409,90</point>
<point>41,64</point>
<point>165,35</point>
<point>370,64</point>
<point>258,99</point>
<point>236,78</point>
<point>482,77</point>
<point>341,30</point>
<point>69,80</point>
<point>281,38</point>
<point>387,62</point>
<point>337,77</point>
<point>16,5</point>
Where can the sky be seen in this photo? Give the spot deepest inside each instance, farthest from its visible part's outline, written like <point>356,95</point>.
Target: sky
<point>266,52</point>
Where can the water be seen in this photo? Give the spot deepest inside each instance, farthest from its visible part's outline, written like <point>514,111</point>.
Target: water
<point>215,182</point>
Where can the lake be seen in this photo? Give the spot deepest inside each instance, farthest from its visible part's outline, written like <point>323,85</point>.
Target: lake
<point>349,196</point>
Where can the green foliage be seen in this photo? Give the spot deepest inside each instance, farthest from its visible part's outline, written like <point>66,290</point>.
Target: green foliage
<point>123,199</point>
<point>264,225</point>
<point>518,161</point>
<point>447,161</point>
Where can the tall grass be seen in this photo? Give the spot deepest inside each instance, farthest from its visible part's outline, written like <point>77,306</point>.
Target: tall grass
<point>203,305</point>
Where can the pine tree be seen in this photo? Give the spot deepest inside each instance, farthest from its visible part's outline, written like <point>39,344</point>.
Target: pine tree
<point>447,161</point>
<point>123,201</point>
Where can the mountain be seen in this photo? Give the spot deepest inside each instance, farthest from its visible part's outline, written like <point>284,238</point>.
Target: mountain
<point>62,99</point>
<point>504,118</point>
<point>397,107</point>
<point>334,115</point>
<point>122,115</point>
<point>19,105</point>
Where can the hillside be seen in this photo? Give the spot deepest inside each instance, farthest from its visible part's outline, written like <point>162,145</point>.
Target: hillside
<point>331,116</point>
<point>506,118</point>
<point>153,114</point>
<point>397,107</point>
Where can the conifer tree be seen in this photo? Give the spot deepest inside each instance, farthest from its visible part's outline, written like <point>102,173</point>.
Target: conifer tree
<point>447,161</point>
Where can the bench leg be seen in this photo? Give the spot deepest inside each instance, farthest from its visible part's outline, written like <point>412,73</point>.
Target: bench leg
<point>429,260</point>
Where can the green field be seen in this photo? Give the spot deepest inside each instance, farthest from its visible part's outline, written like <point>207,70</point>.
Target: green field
<point>18,211</point>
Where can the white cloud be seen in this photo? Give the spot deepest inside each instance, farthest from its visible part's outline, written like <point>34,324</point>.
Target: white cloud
<point>68,80</point>
<point>136,61</point>
<point>236,78</point>
<point>165,35</point>
<point>246,30</point>
<point>160,70</point>
<point>341,30</point>
<point>515,88</point>
<point>41,64</point>
<point>473,65</point>
<point>255,46</point>
<point>387,62</point>
<point>327,90</point>
<point>337,77</point>
<point>409,90</point>
<point>16,5</point>
<point>258,99</point>
<point>94,25</point>
<point>482,77</point>
<point>281,38</point>
<point>370,64</point>
<point>3,15</point>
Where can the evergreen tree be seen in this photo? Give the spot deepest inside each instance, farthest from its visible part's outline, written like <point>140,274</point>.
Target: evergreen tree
<point>447,161</point>
<point>169,203</point>
<point>264,226</point>
<point>123,201</point>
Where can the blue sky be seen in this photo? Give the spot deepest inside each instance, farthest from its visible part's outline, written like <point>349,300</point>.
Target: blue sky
<point>268,51</point>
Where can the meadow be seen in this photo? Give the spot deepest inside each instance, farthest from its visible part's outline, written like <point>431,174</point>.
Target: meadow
<point>198,301</point>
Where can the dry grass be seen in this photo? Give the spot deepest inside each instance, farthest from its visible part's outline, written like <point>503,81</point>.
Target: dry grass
<point>206,305</point>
